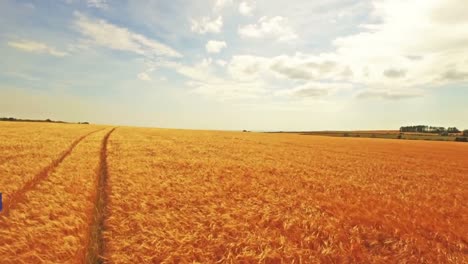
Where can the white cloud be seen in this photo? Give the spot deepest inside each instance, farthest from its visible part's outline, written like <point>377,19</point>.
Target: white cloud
<point>214,46</point>
<point>36,47</point>
<point>205,81</point>
<point>274,27</point>
<point>202,71</point>
<point>412,45</point>
<point>102,33</point>
<point>220,4</point>
<point>454,75</point>
<point>394,73</point>
<point>229,90</point>
<point>311,67</point>
<point>101,4</point>
<point>221,63</point>
<point>246,8</point>
<point>388,94</point>
<point>207,25</point>
<point>300,67</point>
<point>144,76</point>
<point>416,44</point>
<point>247,67</point>
<point>314,89</point>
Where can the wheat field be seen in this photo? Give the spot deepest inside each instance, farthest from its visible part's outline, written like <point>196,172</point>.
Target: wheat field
<point>92,194</point>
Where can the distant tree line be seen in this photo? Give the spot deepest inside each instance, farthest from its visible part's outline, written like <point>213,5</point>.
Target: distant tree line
<point>429,129</point>
<point>12,119</point>
<point>464,138</point>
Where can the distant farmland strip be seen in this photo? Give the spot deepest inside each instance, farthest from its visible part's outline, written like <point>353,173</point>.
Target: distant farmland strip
<point>384,135</point>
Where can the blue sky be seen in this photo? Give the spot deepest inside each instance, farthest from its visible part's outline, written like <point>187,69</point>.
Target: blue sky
<point>235,64</point>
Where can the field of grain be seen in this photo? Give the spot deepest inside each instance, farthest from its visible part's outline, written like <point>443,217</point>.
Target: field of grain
<point>141,195</point>
<point>28,150</point>
<point>386,134</point>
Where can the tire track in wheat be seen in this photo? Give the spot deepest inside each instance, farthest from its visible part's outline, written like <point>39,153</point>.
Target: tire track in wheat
<point>95,247</point>
<point>19,196</point>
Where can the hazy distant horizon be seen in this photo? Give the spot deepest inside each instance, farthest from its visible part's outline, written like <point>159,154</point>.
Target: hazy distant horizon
<point>215,129</point>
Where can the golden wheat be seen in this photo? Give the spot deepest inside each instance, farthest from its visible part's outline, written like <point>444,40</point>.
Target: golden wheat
<point>26,149</point>
<point>181,196</point>
<point>52,224</point>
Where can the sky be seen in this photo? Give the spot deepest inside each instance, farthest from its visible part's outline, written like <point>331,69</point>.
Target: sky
<point>235,64</point>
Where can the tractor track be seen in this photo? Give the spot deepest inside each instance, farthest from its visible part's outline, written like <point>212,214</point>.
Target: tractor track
<point>95,244</point>
<point>19,196</point>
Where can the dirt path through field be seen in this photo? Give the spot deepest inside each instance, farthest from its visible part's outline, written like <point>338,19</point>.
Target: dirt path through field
<point>13,199</point>
<point>96,242</point>
<point>61,218</point>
